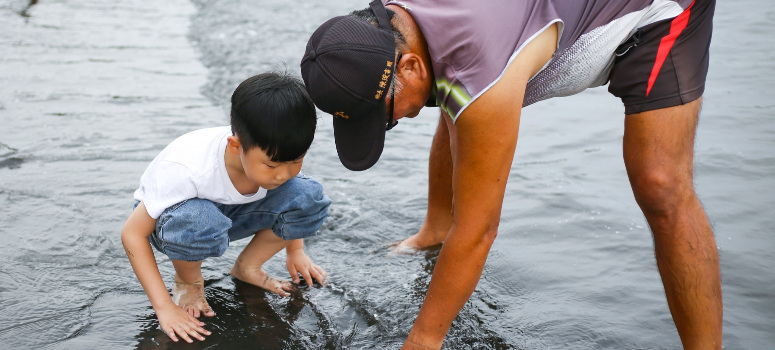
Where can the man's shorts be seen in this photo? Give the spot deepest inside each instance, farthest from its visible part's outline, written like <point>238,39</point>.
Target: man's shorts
<point>664,64</point>
<point>196,229</point>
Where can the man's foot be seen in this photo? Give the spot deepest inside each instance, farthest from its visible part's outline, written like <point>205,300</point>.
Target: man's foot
<point>258,277</point>
<point>191,297</point>
<point>419,241</point>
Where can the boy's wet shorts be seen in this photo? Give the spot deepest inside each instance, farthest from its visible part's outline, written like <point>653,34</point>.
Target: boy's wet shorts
<point>196,229</point>
<point>664,64</point>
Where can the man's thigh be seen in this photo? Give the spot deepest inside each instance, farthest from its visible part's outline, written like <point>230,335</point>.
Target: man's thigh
<point>659,144</point>
<point>665,63</point>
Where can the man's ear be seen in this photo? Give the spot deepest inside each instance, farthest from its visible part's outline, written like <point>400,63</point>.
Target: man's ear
<point>411,66</point>
<point>233,145</point>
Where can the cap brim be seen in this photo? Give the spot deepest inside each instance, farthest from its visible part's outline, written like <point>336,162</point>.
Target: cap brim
<point>359,143</point>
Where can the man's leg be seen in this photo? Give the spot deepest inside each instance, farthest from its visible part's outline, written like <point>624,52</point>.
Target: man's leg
<point>438,219</point>
<point>659,156</point>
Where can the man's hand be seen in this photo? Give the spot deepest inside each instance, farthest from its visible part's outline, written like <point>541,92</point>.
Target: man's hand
<point>175,322</point>
<point>299,263</point>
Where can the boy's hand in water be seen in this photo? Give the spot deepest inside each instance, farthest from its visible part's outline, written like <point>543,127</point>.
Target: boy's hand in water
<point>299,263</point>
<point>175,322</point>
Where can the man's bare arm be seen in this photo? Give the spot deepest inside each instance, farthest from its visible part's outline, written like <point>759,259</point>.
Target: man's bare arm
<point>486,136</point>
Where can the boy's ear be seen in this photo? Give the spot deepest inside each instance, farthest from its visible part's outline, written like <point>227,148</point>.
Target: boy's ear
<point>233,145</point>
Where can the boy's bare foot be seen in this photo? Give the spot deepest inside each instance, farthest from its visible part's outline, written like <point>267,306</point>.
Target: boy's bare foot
<point>191,297</point>
<point>259,277</point>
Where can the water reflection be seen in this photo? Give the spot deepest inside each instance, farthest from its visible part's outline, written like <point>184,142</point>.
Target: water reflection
<point>246,317</point>
<point>572,267</point>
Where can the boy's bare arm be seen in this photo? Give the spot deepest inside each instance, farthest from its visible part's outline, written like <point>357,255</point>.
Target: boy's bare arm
<point>295,245</point>
<point>172,319</point>
<point>298,262</point>
<point>134,235</point>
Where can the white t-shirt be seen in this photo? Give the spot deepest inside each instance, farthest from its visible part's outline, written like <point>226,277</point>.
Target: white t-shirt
<point>192,166</point>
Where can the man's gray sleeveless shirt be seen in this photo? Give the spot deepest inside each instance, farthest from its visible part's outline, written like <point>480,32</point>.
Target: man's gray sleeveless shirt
<point>472,42</point>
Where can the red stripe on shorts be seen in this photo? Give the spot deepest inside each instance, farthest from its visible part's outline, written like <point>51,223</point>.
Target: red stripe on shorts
<point>676,27</point>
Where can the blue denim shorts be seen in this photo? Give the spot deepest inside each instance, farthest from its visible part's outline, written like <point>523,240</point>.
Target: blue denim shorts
<point>196,229</point>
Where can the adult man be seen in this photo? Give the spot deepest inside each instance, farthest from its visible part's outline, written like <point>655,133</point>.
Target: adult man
<point>481,62</point>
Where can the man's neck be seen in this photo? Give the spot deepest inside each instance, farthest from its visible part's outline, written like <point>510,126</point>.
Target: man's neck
<point>415,40</point>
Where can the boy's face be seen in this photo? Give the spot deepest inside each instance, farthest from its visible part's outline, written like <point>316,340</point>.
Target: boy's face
<point>262,171</point>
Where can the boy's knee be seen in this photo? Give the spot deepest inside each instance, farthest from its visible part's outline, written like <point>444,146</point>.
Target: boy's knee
<point>192,230</point>
<point>305,212</point>
<point>304,191</point>
<point>312,200</point>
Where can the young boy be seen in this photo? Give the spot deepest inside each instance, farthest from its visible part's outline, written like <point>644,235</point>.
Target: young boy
<point>212,186</point>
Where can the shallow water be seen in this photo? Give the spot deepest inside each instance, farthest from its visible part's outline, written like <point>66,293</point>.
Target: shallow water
<point>90,91</point>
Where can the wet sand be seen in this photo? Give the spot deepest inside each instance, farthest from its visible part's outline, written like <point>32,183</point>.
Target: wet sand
<point>91,91</point>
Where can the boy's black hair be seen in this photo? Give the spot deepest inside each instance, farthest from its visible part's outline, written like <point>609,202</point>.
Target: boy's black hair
<point>273,111</point>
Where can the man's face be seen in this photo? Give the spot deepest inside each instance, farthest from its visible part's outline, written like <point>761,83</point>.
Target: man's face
<point>403,107</point>
<point>408,101</point>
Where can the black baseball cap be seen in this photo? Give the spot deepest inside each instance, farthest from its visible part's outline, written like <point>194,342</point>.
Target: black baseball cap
<point>347,68</point>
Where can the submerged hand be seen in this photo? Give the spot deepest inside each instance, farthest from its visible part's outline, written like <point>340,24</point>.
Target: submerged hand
<point>299,263</point>
<point>175,322</point>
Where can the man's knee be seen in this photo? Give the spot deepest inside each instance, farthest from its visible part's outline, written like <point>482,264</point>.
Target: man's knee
<point>660,191</point>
